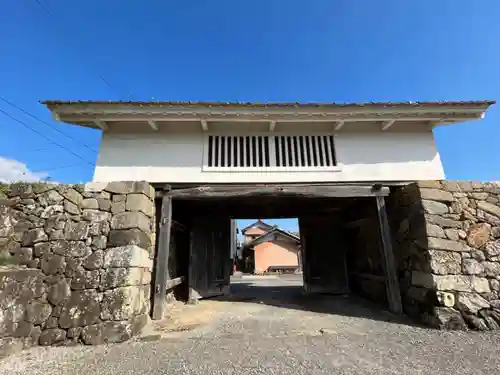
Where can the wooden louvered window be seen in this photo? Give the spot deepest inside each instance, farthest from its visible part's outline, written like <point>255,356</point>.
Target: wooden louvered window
<point>269,153</point>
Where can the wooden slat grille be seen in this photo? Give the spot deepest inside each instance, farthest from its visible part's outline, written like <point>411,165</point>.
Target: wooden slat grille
<point>264,152</point>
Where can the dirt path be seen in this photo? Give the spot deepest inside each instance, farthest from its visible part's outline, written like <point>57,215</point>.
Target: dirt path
<point>275,330</point>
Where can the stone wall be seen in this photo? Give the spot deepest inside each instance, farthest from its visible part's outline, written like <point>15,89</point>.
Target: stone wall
<point>87,252</point>
<point>447,245</point>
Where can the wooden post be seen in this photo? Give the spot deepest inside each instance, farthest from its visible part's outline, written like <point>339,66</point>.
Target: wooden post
<point>391,277</point>
<point>303,252</point>
<point>161,261</point>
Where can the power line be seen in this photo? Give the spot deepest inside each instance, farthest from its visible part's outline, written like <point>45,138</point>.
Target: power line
<point>55,168</point>
<point>101,77</point>
<point>46,123</point>
<point>44,136</point>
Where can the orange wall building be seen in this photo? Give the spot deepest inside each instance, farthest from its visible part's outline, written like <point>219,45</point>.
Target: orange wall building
<point>270,247</point>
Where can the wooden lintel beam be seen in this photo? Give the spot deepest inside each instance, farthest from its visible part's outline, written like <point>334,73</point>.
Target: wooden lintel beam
<point>101,124</point>
<point>204,125</point>
<point>272,126</point>
<point>387,124</point>
<point>323,191</point>
<point>153,125</point>
<point>338,125</point>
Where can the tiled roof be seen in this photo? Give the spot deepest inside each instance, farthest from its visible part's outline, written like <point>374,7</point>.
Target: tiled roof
<point>271,104</point>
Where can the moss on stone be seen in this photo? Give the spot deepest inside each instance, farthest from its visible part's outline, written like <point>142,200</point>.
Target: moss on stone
<point>4,189</point>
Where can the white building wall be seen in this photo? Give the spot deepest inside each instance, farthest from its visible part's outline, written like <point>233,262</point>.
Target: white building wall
<point>178,157</point>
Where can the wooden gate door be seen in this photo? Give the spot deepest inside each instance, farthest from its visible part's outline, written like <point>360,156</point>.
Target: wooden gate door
<point>209,263</point>
<point>323,255</point>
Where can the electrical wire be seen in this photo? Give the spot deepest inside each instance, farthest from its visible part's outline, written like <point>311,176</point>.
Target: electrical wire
<point>56,168</point>
<point>101,77</point>
<point>48,124</point>
<point>44,136</point>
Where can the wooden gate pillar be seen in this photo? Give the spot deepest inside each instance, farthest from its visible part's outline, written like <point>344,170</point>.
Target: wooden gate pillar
<point>390,272</point>
<point>161,259</point>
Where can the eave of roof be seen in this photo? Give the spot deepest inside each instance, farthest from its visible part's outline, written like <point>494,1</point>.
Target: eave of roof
<point>262,237</point>
<point>99,114</point>
<point>258,222</point>
<point>270,104</point>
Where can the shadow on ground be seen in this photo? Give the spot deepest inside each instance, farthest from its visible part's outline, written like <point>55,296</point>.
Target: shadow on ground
<point>293,297</point>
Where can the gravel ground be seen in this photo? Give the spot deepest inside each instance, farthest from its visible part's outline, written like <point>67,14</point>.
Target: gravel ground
<point>268,327</point>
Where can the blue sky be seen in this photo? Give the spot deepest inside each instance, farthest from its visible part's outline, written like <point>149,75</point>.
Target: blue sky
<point>260,50</point>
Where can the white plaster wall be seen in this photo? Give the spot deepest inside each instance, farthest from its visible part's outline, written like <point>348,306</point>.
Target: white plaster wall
<point>174,157</point>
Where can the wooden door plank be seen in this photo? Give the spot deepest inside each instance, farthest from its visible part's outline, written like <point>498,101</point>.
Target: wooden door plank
<point>391,277</point>
<point>161,261</point>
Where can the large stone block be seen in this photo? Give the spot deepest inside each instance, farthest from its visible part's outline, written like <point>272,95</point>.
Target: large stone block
<point>458,283</point>
<point>484,216</point>
<point>38,312</point>
<point>53,264</point>
<point>124,303</point>
<point>129,237</point>
<point>94,187</point>
<point>444,262</point>
<point>107,332</point>
<point>443,221</point>
<point>59,292</point>
<point>73,265</point>
<point>126,187</point>
<point>118,277</point>
<point>76,231</point>
<point>71,208</point>
<point>129,220</point>
<point>96,216</point>
<point>40,249</point>
<point>433,230</point>
<point>492,249</point>
<point>52,212</point>
<point>434,243</point>
<point>22,255</point>
<point>431,184</point>
<point>444,244</point>
<point>489,208</point>
<point>94,261</point>
<point>478,235</point>
<point>448,318</point>
<point>436,195</point>
<point>120,187</point>
<point>118,207</point>
<point>33,236</point>
<point>90,203</point>
<point>85,280</point>
<point>99,242</point>
<point>52,197</point>
<point>104,203</point>
<point>127,256</point>
<point>471,303</point>
<point>491,269</point>
<point>139,202</point>
<point>472,267</point>
<point>77,249</point>
<point>52,336</point>
<point>20,285</point>
<point>71,194</point>
<point>434,208</point>
<point>81,309</point>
